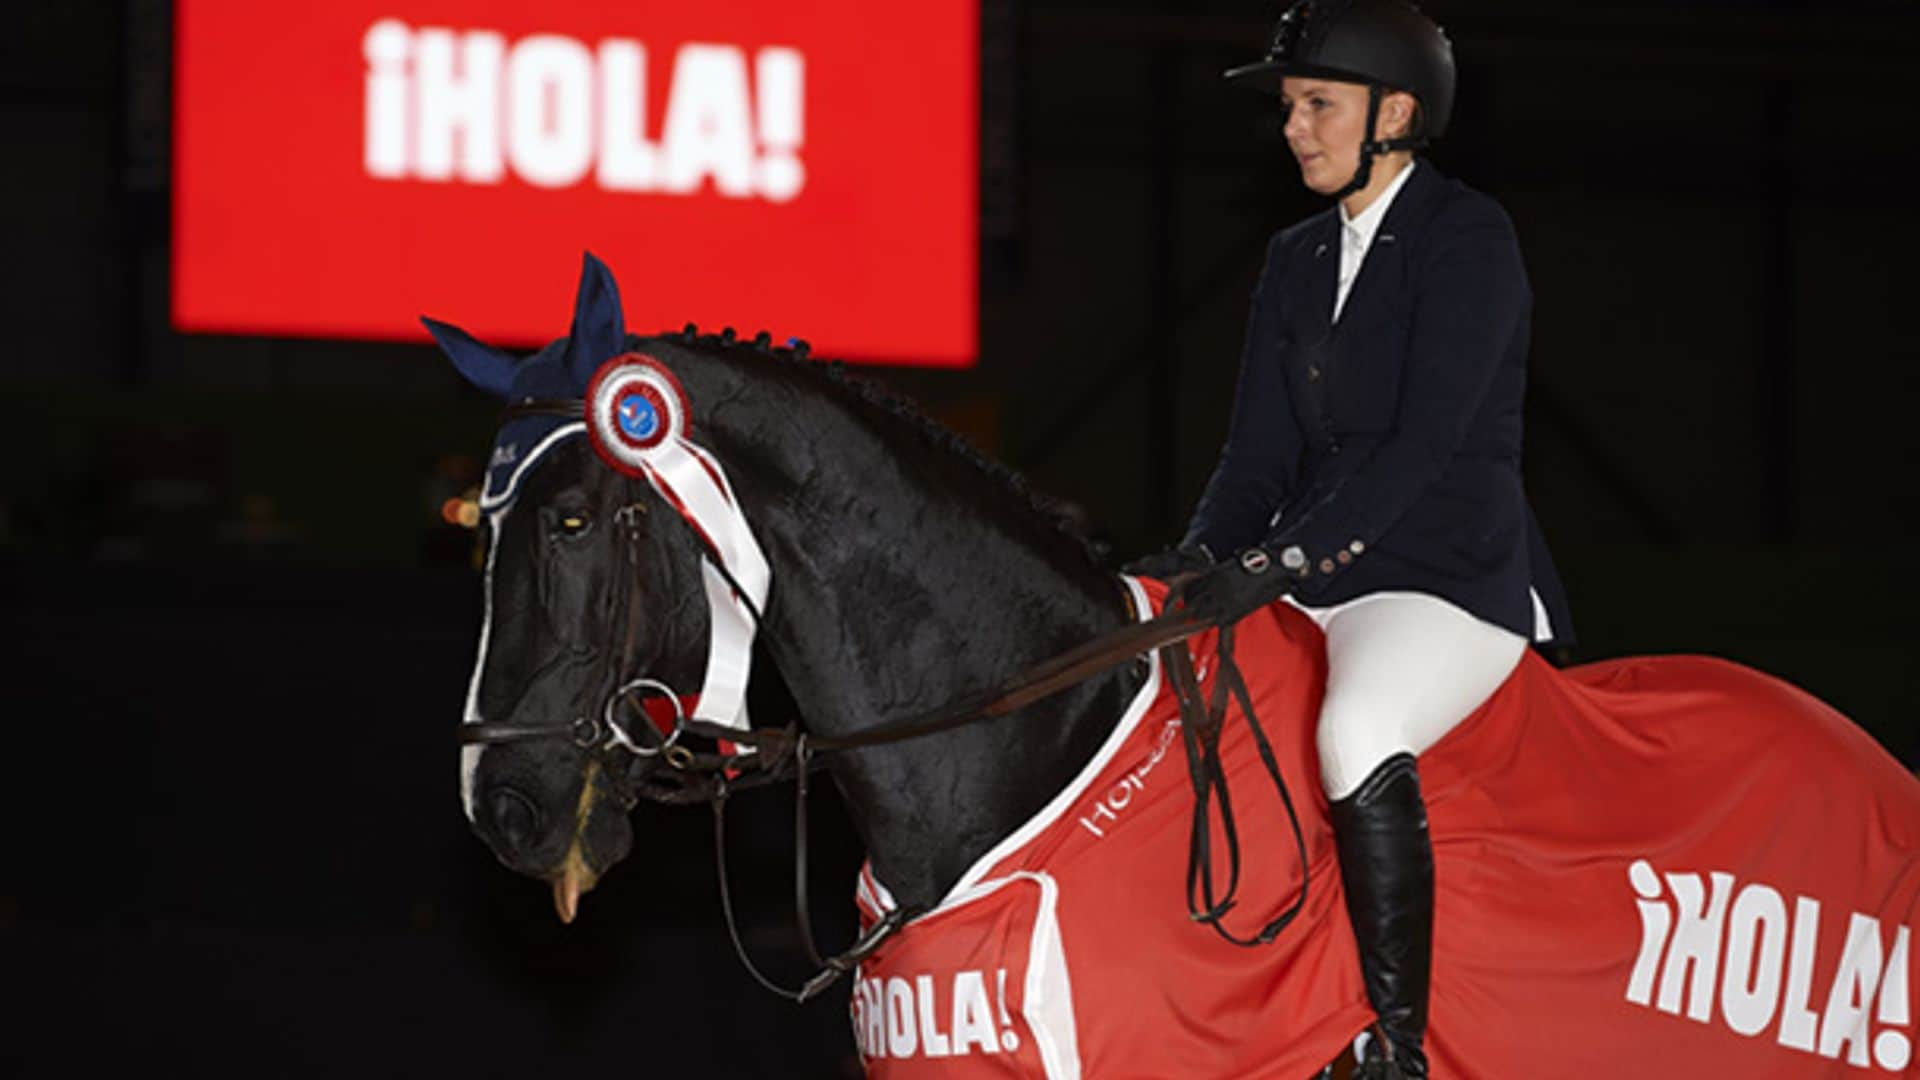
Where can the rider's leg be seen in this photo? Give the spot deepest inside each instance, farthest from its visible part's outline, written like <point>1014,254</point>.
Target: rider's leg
<point>1402,670</point>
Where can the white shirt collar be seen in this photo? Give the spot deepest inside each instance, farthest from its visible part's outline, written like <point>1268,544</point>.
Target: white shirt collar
<point>1361,229</point>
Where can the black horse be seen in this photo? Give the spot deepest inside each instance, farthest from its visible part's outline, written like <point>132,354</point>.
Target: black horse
<point>907,572</point>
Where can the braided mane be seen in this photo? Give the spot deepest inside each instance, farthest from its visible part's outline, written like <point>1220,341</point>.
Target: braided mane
<point>1049,512</point>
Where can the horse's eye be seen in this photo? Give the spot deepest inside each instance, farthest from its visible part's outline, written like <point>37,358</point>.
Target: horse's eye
<point>574,524</point>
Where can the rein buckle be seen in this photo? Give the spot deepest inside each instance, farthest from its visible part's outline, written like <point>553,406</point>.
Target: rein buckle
<point>586,733</point>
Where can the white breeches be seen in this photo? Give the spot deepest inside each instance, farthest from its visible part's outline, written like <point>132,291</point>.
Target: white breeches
<point>1402,670</point>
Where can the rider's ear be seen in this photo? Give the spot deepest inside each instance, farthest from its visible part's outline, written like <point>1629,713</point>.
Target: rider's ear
<point>1399,115</point>
<point>483,365</point>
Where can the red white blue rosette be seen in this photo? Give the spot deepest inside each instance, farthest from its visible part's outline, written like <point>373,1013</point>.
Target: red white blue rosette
<point>635,407</point>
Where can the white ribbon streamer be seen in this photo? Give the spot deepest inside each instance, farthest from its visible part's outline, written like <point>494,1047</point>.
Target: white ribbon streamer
<point>685,474</point>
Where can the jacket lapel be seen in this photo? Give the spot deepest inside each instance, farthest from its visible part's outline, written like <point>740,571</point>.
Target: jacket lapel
<point>1408,209</point>
<point>1315,306</point>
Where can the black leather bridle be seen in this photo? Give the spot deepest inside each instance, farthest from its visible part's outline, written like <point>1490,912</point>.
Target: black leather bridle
<point>767,756</point>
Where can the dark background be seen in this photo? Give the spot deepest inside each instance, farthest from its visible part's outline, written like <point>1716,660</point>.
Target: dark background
<point>237,634</point>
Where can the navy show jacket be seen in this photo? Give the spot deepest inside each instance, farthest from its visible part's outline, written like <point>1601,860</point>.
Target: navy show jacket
<point>1386,446</point>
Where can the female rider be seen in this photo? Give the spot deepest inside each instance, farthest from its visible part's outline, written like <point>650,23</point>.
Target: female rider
<point>1371,471</point>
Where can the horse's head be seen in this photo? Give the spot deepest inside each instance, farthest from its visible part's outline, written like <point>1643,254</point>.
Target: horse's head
<point>591,584</point>
<point>625,588</point>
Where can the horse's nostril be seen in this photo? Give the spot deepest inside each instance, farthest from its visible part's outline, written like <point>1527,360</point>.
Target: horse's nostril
<point>516,820</point>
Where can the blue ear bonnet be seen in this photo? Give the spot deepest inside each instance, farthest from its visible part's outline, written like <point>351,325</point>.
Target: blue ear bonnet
<point>523,440</point>
<point>561,370</point>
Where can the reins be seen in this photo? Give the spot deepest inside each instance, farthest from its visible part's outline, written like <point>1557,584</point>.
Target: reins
<point>768,756</point>
<point>1201,725</point>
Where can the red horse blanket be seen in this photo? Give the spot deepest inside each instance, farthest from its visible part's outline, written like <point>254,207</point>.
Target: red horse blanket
<point>1668,866</point>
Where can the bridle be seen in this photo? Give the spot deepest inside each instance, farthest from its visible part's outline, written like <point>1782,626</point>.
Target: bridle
<point>743,759</point>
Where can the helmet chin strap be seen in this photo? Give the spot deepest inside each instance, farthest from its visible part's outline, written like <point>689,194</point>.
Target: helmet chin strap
<point>1373,146</point>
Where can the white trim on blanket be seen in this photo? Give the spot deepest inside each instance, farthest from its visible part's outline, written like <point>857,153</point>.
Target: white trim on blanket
<point>1048,1004</point>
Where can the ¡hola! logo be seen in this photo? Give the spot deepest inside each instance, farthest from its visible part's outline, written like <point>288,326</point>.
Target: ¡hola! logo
<point>895,1018</point>
<point>445,106</point>
<point>1689,927</point>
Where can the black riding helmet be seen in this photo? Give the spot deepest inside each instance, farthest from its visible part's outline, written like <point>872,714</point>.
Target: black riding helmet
<point>1382,44</point>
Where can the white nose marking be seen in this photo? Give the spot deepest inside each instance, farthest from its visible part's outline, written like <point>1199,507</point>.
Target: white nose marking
<point>470,755</point>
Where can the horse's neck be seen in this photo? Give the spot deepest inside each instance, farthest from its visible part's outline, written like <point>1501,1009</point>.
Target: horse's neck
<point>904,579</point>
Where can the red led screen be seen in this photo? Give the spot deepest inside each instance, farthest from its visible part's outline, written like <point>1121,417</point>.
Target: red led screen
<point>808,169</point>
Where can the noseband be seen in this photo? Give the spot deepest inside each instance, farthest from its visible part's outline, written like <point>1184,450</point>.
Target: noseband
<point>595,735</point>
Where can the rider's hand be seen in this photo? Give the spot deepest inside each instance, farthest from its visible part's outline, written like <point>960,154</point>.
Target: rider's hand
<point>1236,588</point>
<point>1172,563</point>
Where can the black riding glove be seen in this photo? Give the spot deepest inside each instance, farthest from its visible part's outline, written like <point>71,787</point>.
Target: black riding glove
<point>1236,588</point>
<point>1166,565</point>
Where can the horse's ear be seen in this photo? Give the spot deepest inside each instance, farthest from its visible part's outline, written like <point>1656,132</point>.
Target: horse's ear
<point>599,328</point>
<point>483,365</point>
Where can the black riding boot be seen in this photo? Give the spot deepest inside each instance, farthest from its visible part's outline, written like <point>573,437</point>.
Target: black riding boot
<point>1386,864</point>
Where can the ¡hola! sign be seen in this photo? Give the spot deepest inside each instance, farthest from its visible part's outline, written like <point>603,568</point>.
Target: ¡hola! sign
<point>809,170</point>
